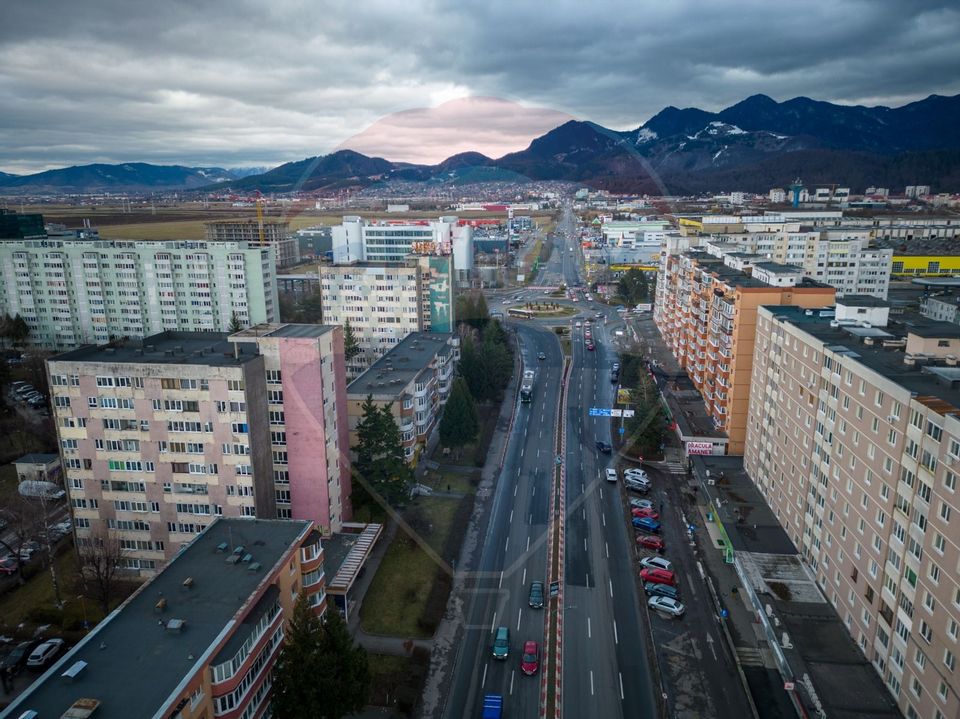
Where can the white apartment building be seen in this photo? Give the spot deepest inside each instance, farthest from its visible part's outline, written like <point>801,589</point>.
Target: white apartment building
<point>385,301</point>
<point>87,291</point>
<point>357,240</point>
<point>854,440</point>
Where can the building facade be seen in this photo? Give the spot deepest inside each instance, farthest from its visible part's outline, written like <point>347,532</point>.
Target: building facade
<point>275,234</point>
<point>213,621</point>
<point>706,313</point>
<point>356,240</point>
<point>160,437</point>
<point>88,291</point>
<point>386,301</point>
<point>414,380</point>
<point>854,440</point>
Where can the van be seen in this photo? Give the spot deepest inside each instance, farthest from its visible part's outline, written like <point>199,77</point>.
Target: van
<point>501,643</point>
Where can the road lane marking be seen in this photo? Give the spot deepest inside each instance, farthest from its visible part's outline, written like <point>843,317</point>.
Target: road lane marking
<point>506,544</point>
<point>521,451</point>
<point>534,491</point>
<point>603,518</point>
<point>510,521</point>
<point>493,625</point>
<point>588,579</point>
<point>584,544</point>
<point>523,579</point>
<point>601,492</point>
<point>610,584</point>
<point>621,685</point>
<point>583,510</point>
<point>519,615</point>
<point>515,488</point>
<point>606,548</point>
<point>500,583</point>
<point>528,542</point>
<point>583,487</point>
<point>483,681</point>
<point>591,682</point>
<point>589,631</point>
<point>512,673</point>
<point>616,638</point>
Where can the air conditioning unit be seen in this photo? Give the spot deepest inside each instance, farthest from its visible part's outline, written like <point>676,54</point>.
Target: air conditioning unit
<point>892,418</point>
<point>949,460</point>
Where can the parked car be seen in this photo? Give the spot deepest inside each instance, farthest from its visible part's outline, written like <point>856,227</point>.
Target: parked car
<point>666,605</point>
<point>656,563</point>
<point>648,512</point>
<point>604,447</point>
<point>535,600</point>
<point>530,661</point>
<point>8,566</point>
<point>658,576</point>
<point>16,660</point>
<point>45,653</point>
<point>661,590</point>
<point>637,485</point>
<point>616,367</point>
<point>636,472</point>
<point>542,356</point>
<point>501,643</point>
<point>610,474</point>
<point>590,346</point>
<point>648,541</point>
<point>647,525</point>
<point>642,503</point>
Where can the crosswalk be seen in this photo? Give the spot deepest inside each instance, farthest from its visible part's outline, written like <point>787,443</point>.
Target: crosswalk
<point>673,467</point>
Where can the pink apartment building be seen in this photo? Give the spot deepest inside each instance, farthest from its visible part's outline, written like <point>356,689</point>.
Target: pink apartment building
<point>159,437</point>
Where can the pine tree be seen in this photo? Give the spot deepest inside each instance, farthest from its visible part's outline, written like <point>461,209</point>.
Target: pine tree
<point>460,422</point>
<point>471,368</point>
<point>235,324</point>
<point>351,348</point>
<point>19,330</point>
<point>319,672</point>
<point>380,462</point>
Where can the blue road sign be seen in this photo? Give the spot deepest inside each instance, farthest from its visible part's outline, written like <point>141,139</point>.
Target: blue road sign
<point>622,430</point>
<point>724,613</point>
<point>600,412</point>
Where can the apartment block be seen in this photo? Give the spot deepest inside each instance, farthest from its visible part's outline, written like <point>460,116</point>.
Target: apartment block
<point>159,437</point>
<point>706,312</point>
<point>272,233</point>
<point>414,380</point>
<point>386,301</point>
<point>854,440</point>
<point>73,291</point>
<point>943,308</point>
<point>200,639</point>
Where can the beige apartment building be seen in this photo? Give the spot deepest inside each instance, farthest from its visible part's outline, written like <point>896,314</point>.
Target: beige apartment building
<point>854,440</point>
<point>266,233</point>
<point>706,312</point>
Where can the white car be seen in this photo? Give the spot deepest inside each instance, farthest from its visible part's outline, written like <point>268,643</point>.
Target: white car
<point>635,474</point>
<point>666,605</point>
<point>641,503</point>
<point>611,474</point>
<point>656,563</point>
<point>45,653</point>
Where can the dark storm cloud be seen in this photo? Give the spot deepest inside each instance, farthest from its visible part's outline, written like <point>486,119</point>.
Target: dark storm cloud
<point>257,83</point>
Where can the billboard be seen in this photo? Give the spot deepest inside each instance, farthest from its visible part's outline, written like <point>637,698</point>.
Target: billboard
<point>623,396</point>
<point>699,448</point>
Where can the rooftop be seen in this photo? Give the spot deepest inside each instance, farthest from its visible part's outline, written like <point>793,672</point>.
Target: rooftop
<point>778,269</point>
<point>37,458</point>
<point>925,380</point>
<point>133,659</point>
<point>861,301</point>
<point>946,246</point>
<point>389,375</point>
<point>174,348</point>
<point>284,330</point>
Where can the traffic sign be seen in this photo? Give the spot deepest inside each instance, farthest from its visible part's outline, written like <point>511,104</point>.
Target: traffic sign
<point>628,413</point>
<point>622,430</point>
<point>600,412</point>
<point>616,412</point>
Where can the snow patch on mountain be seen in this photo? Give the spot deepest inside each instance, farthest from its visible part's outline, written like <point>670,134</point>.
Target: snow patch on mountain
<point>645,135</point>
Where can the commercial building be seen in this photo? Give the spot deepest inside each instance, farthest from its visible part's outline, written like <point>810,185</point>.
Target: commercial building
<point>706,312</point>
<point>73,291</point>
<point>159,437</point>
<point>942,308</point>
<point>386,301</point>
<point>272,233</point>
<point>200,639</point>
<point>414,380</point>
<point>356,240</point>
<point>854,441</point>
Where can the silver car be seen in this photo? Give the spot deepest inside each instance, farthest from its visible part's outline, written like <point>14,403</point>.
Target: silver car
<point>666,605</point>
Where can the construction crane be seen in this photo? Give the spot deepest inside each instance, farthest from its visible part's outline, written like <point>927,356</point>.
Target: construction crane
<point>263,239</point>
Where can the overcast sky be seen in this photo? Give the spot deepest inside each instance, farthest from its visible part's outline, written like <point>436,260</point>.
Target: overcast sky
<point>258,83</point>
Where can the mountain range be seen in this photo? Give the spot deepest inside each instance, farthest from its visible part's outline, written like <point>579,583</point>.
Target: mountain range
<point>753,145</point>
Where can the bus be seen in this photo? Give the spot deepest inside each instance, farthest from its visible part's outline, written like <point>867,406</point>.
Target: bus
<point>520,314</point>
<point>526,386</point>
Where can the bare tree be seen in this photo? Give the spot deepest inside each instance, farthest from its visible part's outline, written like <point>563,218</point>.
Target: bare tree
<point>23,519</point>
<point>100,564</point>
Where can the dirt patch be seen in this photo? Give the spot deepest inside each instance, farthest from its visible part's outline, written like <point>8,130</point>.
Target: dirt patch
<point>781,590</point>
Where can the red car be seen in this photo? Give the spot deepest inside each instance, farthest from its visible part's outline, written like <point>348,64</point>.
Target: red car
<point>658,576</point>
<point>650,542</point>
<point>645,512</point>
<point>530,659</point>
<point>8,566</point>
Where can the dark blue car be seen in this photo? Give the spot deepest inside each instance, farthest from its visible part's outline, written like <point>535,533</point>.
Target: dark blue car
<point>645,524</point>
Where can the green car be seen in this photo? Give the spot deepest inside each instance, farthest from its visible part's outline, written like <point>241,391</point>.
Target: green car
<point>501,643</point>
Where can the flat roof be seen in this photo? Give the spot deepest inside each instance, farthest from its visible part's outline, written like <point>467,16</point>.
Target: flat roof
<point>778,269</point>
<point>861,301</point>
<point>132,659</point>
<point>284,330</point>
<point>175,348</point>
<point>388,376</point>
<point>37,458</point>
<point>925,380</point>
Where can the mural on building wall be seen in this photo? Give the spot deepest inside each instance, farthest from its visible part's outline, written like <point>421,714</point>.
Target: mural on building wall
<point>441,295</point>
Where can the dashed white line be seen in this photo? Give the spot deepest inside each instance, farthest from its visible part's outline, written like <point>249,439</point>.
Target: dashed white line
<point>584,544</point>
<point>500,583</point>
<point>506,544</point>
<point>603,518</point>
<point>610,585</point>
<point>521,451</point>
<point>483,681</point>
<point>583,511</point>
<point>533,491</point>
<point>621,685</point>
<point>606,548</point>
<point>519,615</point>
<point>510,521</point>
<point>523,580</point>
<point>512,674</point>
<point>601,492</point>
<point>493,624</point>
<point>515,488</point>
<point>588,580</point>
<point>591,682</point>
<point>589,632</point>
<point>528,542</point>
<point>616,638</point>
